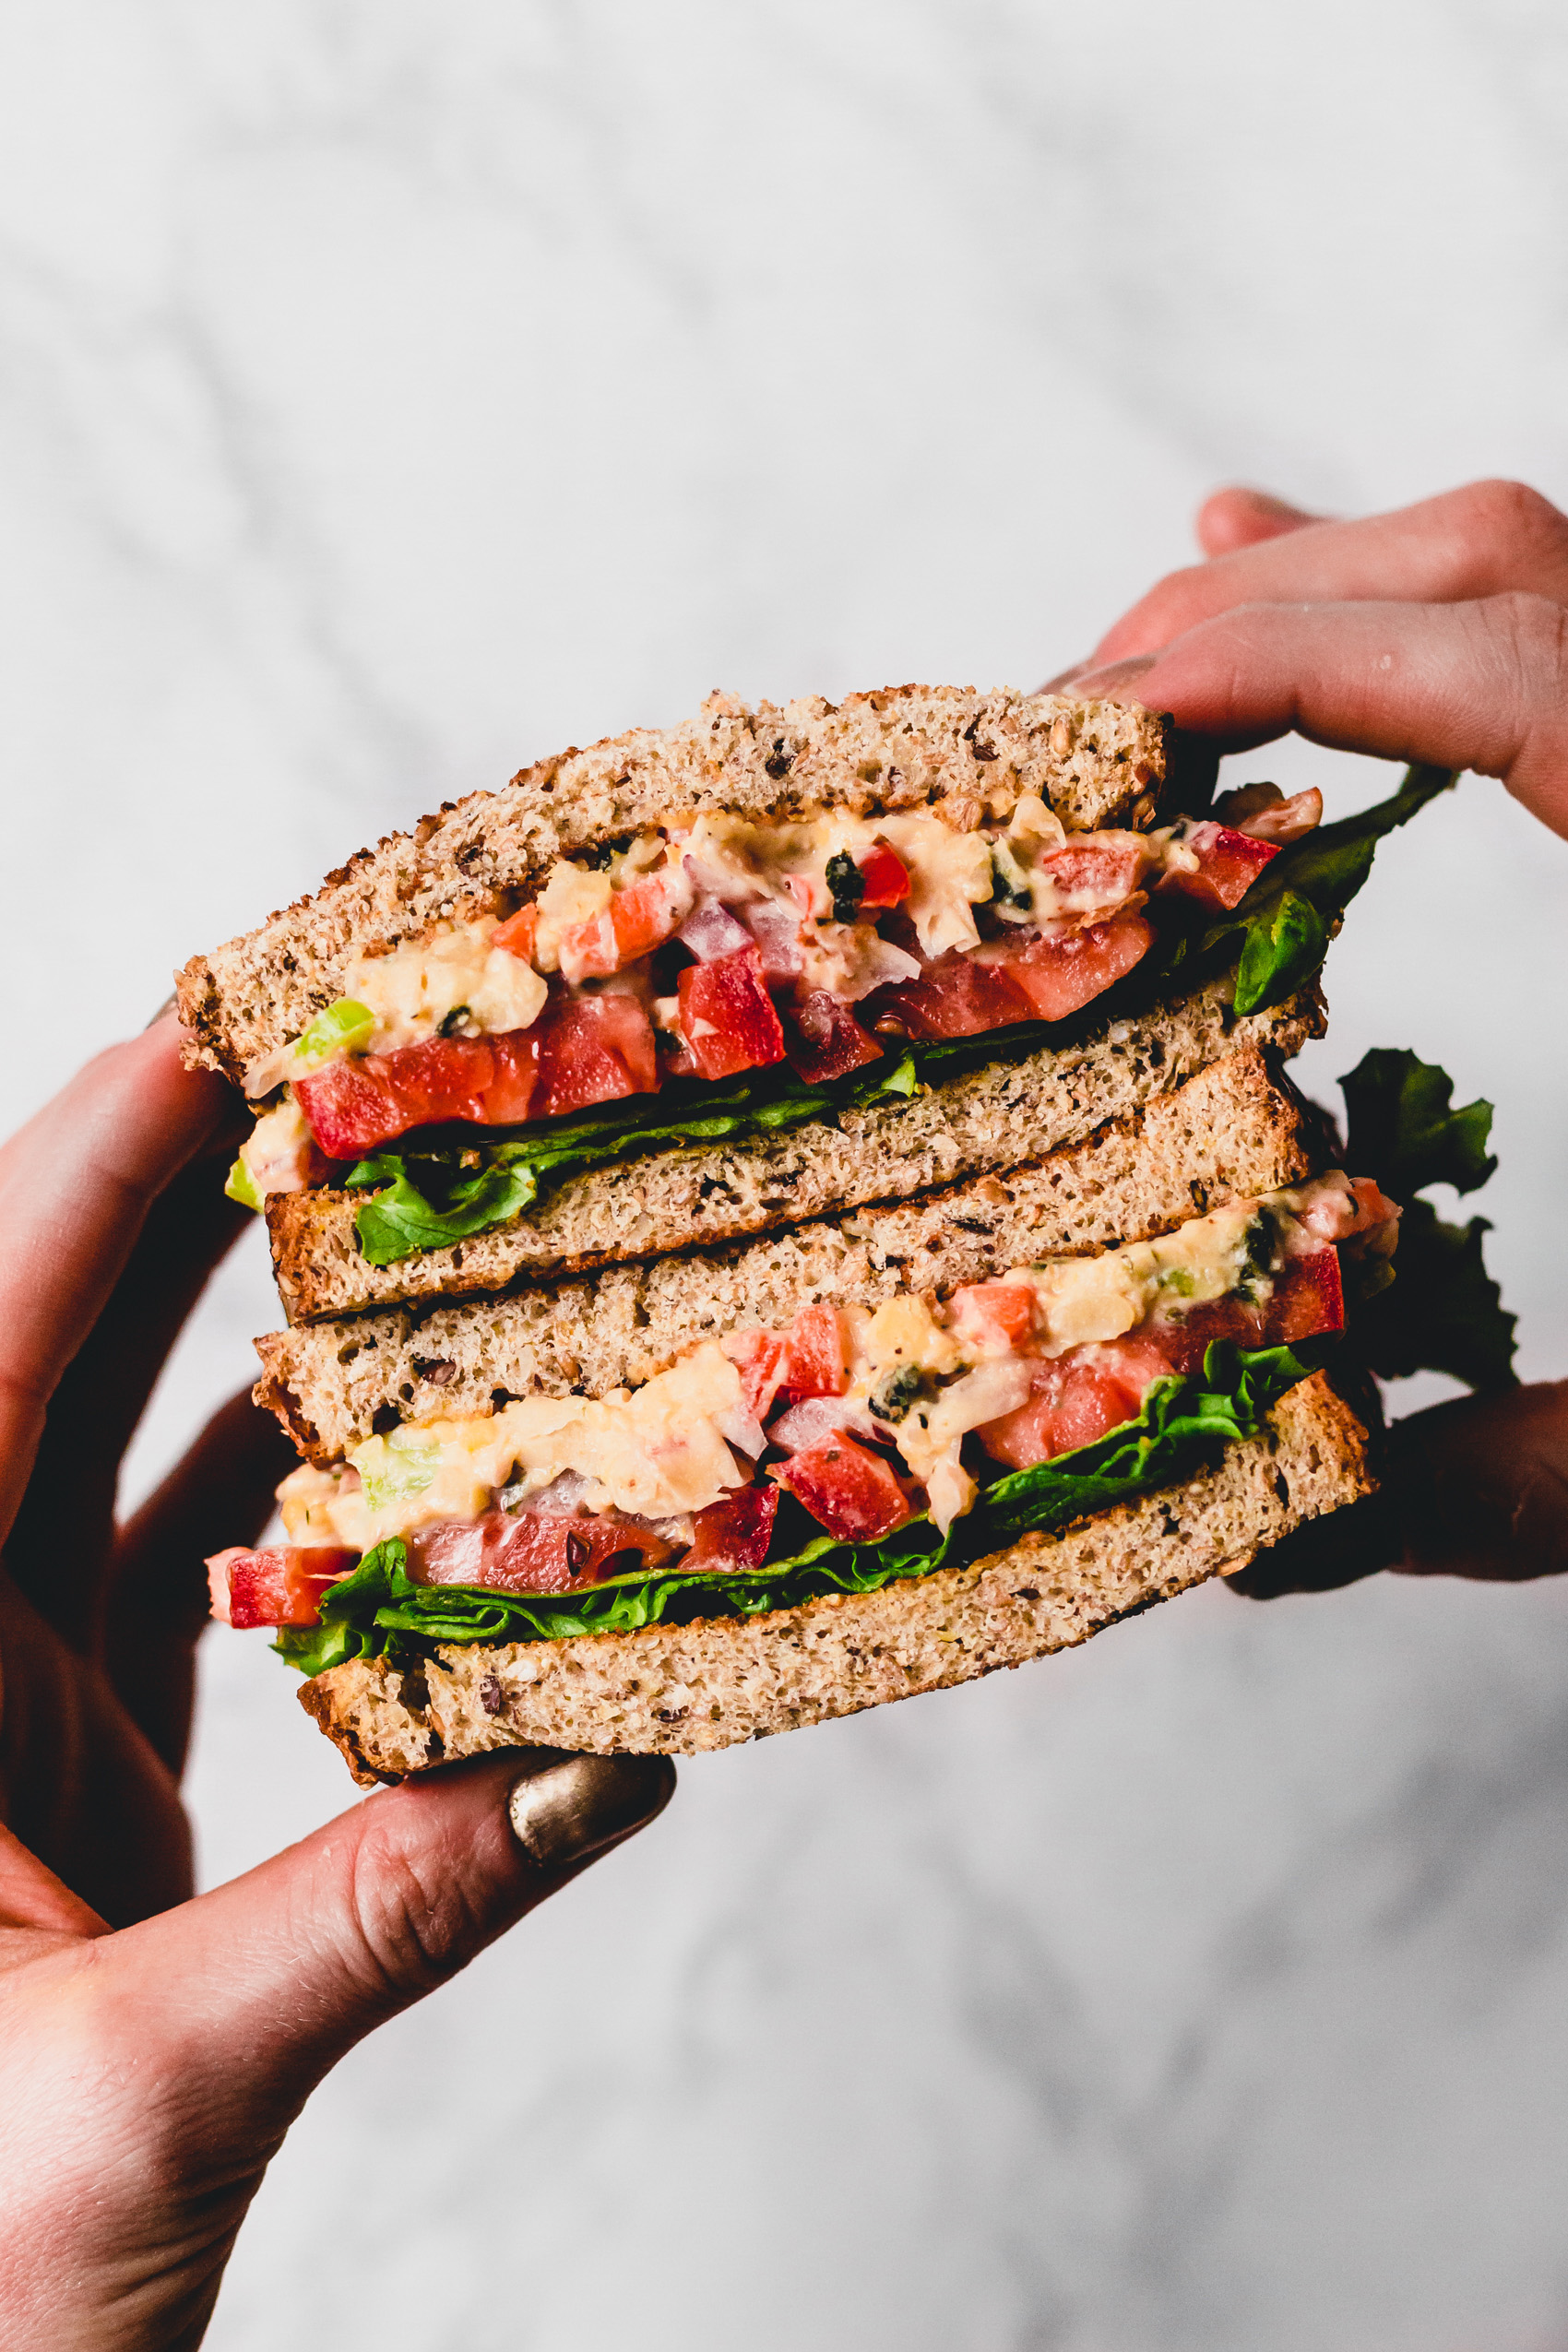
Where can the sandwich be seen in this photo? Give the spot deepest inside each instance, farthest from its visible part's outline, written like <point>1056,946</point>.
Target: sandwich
<point>771,964</point>
<point>804,1207</point>
<point>670,1505</point>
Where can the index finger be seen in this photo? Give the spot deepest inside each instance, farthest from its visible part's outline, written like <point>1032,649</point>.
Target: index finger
<point>1490,539</point>
<point>76,1183</point>
<point>1481,686</point>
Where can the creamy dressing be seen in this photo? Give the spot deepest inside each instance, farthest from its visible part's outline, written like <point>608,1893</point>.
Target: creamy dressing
<point>276,1153</point>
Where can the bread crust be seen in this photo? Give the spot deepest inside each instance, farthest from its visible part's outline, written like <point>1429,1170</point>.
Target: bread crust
<point>1230,1132</point>
<point>685,1690</point>
<point>963,753</point>
<point>992,1120</point>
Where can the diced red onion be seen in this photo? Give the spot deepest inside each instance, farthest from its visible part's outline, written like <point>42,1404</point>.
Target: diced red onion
<point>819,1416</point>
<point>712,932</point>
<point>742,1430</point>
<point>715,881</point>
<point>777,930</point>
<point>563,1497</point>
<point>880,965</point>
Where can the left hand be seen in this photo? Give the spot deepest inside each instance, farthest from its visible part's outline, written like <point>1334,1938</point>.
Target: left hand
<point>155,2049</point>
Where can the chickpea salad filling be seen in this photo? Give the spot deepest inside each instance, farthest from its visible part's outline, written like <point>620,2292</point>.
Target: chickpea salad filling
<point>748,974</point>
<point>853,1445</point>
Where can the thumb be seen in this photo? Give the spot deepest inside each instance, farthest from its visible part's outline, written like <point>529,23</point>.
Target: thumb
<point>281,1971</point>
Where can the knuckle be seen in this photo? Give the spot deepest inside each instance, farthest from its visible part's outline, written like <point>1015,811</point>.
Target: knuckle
<point>1532,631</point>
<point>414,1929</point>
<point>1515,520</point>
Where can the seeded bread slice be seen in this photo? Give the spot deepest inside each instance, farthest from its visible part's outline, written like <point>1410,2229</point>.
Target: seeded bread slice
<point>679,1690</point>
<point>1231,1132</point>
<point>992,1120</point>
<point>966,753</point>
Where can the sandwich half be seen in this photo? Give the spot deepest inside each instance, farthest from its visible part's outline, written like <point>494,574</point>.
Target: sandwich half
<point>673,1506</point>
<point>777,963</point>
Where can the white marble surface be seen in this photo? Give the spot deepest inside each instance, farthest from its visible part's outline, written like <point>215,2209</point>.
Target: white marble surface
<point>390,393</point>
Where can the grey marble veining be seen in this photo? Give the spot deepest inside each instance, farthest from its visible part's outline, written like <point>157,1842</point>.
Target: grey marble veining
<point>391,394</point>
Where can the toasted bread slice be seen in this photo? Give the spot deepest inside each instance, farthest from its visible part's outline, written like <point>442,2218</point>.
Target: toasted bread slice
<point>1231,1132</point>
<point>680,1690</point>
<point>964,754</point>
<point>992,1120</point>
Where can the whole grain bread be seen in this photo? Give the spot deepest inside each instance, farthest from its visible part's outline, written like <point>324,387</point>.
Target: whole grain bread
<point>1230,1132</point>
<point>990,1120</point>
<point>967,753</point>
<point>683,1689</point>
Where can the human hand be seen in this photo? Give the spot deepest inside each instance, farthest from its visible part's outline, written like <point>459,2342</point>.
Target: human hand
<point>155,2049</point>
<point>1438,633</point>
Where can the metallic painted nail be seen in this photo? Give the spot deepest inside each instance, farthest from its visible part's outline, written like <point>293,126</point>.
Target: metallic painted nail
<point>576,1807</point>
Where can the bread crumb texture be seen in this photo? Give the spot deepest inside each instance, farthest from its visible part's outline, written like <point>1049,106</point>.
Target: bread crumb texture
<point>684,1690</point>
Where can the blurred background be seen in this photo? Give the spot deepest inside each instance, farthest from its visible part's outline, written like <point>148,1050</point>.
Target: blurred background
<point>394,392</point>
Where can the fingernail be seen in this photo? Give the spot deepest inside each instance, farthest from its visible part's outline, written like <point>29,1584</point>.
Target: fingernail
<point>1062,681</point>
<point>567,1811</point>
<point>1105,683</point>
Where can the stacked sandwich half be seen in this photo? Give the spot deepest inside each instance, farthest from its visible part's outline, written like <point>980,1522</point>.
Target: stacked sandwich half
<point>788,1212</point>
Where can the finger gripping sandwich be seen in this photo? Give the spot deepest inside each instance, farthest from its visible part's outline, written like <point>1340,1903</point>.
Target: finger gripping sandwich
<point>783,959</point>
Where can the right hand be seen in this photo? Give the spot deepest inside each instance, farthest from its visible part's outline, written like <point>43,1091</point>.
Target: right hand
<point>1438,633</point>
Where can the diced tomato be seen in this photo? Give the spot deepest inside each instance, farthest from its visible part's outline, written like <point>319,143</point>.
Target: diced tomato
<point>1078,1398</point>
<point>758,1357</point>
<point>1059,973</point>
<point>355,1106</point>
<point>594,1048</point>
<point>885,877</point>
<point>637,919</point>
<point>825,1040</point>
<point>854,1493</point>
<point>1308,1298</point>
<point>813,1361</point>
<point>533,1551</point>
<point>956,996</point>
<point>518,935</point>
<point>727,1015</point>
<point>1100,874</point>
<point>996,1313</point>
<point>735,1533</point>
<point>279,1586</point>
<point>509,1098</point>
<point>1229,864</point>
<point>806,1360</point>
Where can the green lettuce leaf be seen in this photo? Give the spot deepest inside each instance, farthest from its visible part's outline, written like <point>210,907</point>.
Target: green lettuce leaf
<point>1278,935</point>
<point>1441,1312</point>
<point>1181,1426</point>
<point>1400,1126</point>
<point>442,1189</point>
